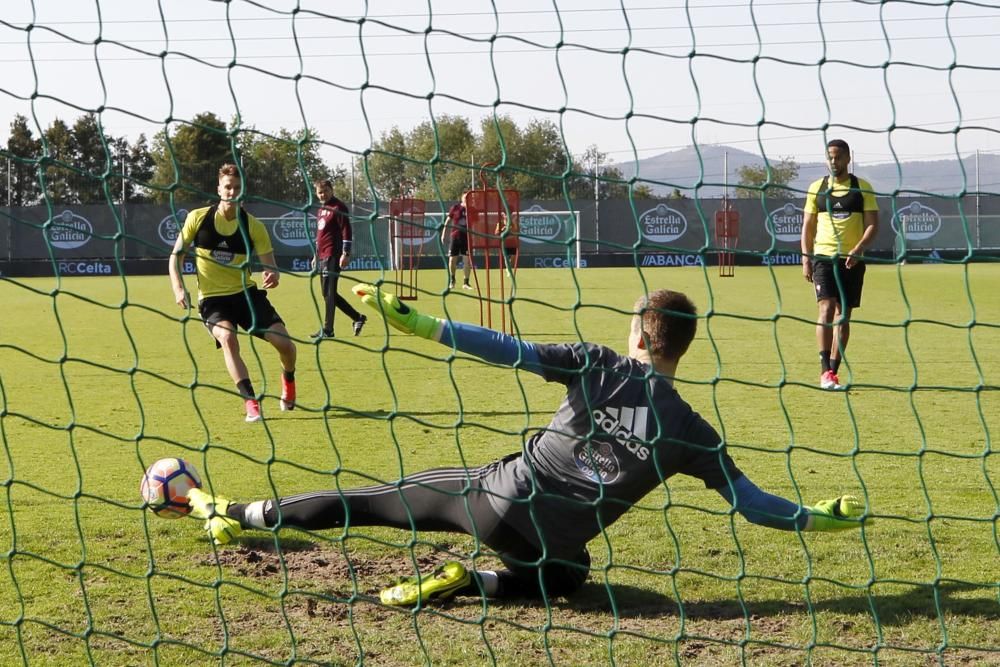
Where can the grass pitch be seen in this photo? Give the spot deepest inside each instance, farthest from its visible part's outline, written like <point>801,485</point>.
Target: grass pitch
<point>101,376</point>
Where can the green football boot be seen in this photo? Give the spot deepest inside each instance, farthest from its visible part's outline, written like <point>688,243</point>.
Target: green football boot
<point>440,584</point>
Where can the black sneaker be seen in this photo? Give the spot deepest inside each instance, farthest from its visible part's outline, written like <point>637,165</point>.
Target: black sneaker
<point>359,325</point>
<point>321,334</point>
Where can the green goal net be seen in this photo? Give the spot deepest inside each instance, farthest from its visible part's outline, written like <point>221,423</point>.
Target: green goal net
<point>626,128</point>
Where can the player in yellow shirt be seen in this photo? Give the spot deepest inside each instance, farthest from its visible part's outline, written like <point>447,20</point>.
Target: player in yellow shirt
<point>840,221</point>
<point>224,237</point>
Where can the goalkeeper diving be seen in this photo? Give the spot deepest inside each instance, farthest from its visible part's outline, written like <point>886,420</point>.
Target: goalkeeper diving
<point>621,431</point>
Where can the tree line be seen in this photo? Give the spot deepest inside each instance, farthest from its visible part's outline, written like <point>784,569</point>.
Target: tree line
<point>82,164</point>
<point>439,160</point>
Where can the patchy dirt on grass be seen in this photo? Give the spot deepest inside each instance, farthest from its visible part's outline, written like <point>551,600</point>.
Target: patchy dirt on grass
<point>329,611</point>
<point>320,567</point>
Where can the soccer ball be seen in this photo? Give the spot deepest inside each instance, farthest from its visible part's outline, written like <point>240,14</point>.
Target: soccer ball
<point>165,485</point>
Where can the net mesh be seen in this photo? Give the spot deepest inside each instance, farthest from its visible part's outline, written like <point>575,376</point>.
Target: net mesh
<point>100,375</point>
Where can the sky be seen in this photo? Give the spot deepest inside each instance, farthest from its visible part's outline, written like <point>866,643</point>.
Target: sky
<point>635,78</point>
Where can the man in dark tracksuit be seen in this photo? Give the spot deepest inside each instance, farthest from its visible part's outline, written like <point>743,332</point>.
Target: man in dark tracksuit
<point>333,254</point>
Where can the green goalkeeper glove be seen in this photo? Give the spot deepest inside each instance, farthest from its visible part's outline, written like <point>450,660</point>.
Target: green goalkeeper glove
<point>220,527</point>
<point>397,314</point>
<point>841,513</point>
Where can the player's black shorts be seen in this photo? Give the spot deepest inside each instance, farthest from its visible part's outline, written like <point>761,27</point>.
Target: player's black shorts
<point>250,310</point>
<point>830,278</point>
<point>459,246</point>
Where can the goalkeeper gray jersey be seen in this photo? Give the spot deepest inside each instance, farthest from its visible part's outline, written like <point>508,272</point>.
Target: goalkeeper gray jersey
<point>620,432</point>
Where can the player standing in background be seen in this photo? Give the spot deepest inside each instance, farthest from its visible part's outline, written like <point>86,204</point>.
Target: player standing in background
<point>840,220</point>
<point>509,241</point>
<point>225,236</point>
<point>622,430</point>
<point>333,253</point>
<point>458,223</point>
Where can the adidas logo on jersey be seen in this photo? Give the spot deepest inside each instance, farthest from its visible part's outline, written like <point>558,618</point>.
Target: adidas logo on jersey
<point>627,426</point>
<point>223,244</point>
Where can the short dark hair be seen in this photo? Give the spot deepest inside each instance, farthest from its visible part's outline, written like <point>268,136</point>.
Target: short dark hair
<point>322,181</point>
<point>669,321</point>
<point>839,143</point>
<point>228,169</point>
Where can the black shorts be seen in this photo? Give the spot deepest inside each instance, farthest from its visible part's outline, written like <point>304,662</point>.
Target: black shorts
<point>459,246</point>
<point>829,279</point>
<point>250,310</point>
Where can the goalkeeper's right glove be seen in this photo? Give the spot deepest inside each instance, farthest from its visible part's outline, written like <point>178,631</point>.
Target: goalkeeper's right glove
<point>841,513</point>
<point>397,314</point>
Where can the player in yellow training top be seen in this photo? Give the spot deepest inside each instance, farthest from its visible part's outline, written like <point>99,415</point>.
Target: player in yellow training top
<point>840,221</point>
<point>224,237</point>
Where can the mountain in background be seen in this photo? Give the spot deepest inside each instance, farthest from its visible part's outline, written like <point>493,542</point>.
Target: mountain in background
<point>682,169</point>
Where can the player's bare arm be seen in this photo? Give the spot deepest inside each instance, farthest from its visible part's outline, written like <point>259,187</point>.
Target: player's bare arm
<point>270,274</point>
<point>808,239</point>
<point>871,230</point>
<point>176,275</point>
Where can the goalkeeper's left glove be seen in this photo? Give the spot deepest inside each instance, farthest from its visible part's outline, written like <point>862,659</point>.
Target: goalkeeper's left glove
<point>221,528</point>
<point>397,314</point>
<point>838,514</point>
